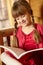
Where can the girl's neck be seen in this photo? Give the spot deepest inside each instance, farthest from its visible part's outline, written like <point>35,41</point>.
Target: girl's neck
<point>28,29</point>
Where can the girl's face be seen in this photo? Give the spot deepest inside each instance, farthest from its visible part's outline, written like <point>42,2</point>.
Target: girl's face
<point>23,20</point>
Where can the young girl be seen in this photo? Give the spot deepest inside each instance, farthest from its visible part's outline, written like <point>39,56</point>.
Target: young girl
<point>29,35</point>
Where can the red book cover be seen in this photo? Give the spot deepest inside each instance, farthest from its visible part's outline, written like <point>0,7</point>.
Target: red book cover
<point>22,56</point>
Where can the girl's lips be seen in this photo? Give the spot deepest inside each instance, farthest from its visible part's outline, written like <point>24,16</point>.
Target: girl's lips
<point>23,21</point>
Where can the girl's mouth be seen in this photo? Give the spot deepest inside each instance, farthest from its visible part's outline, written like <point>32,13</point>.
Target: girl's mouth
<point>23,21</point>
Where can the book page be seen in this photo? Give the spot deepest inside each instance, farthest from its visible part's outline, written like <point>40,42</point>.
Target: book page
<point>18,52</point>
<point>15,51</point>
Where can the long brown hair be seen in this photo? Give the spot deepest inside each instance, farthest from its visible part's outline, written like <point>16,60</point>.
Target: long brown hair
<point>20,7</point>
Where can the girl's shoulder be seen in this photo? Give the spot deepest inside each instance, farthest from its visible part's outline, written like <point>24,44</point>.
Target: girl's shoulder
<point>39,27</point>
<point>19,32</point>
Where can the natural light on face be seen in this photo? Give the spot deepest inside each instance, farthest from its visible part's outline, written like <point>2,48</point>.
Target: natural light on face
<point>23,20</point>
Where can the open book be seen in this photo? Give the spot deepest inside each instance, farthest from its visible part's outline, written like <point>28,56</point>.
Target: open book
<point>19,53</point>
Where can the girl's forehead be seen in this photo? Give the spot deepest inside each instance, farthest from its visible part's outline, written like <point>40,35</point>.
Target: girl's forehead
<point>19,12</point>
<point>23,15</point>
<point>19,15</point>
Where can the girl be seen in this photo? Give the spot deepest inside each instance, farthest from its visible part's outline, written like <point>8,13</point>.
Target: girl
<point>29,35</point>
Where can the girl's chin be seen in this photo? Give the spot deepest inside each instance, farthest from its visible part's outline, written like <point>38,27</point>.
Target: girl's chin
<point>28,24</point>
<point>24,25</point>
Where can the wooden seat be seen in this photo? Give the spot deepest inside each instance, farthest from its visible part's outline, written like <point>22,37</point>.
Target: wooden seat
<point>5,33</point>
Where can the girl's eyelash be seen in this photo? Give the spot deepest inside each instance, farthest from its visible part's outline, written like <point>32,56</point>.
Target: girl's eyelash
<point>17,19</point>
<point>23,15</point>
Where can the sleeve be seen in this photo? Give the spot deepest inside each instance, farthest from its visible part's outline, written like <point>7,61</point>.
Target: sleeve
<point>40,29</point>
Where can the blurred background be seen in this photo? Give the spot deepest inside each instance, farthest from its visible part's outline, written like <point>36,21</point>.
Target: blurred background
<point>5,12</point>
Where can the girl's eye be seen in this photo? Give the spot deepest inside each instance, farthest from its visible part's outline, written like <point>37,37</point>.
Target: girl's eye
<point>23,16</point>
<point>17,19</point>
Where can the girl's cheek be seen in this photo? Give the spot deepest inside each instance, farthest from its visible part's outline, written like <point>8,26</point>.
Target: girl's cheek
<point>19,24</point>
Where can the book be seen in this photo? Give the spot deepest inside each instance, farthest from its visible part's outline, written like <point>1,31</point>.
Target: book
<point>19,53</point>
